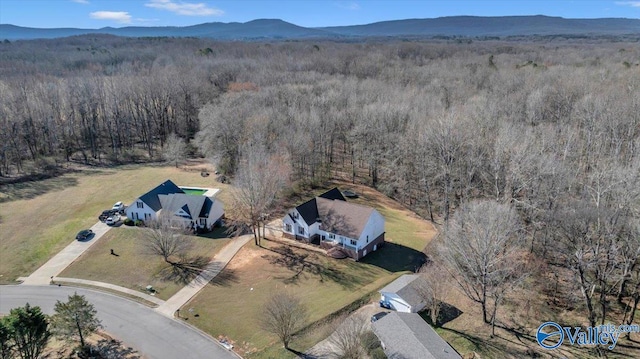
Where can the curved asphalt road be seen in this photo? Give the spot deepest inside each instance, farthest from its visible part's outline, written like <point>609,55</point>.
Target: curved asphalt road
<point>150,333</point>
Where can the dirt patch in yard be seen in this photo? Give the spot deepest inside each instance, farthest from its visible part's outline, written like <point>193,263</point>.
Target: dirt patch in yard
<point>245,258</point>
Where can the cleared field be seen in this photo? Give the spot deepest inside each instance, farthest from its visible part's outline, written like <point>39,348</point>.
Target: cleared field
<point>232,306</point>
<point>38,219</point>
<point>132,267</point>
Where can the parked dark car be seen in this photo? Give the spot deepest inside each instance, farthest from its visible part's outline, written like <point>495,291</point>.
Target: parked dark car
<point>106,214</point>
<point>378,316</point>
<point>84,234</point>
<point>385,304</point>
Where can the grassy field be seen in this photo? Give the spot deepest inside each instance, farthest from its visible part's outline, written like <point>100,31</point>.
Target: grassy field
<point>133,267</point>
<point>232,305</point>
<point>38,219</point>
<point>230,308</point>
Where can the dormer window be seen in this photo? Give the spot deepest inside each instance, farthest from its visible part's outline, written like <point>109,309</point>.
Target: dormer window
<point>139,204</point>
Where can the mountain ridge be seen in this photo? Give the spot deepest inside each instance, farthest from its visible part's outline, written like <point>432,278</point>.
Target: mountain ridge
<point>468,26</point>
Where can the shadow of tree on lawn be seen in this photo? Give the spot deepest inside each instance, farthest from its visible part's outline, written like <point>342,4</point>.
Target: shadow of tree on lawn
<point>33,189</point>
<point>446,314</point>
<point>189,269</point>
<point>225,278</point>
<point>303,264</point>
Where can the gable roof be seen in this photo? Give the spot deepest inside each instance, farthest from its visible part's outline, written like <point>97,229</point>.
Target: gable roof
<point>343,218</point>
<point>333,193</point>
<point>336,214</point>
<point>407,335</point>
<point>309,211</point>
<point>151,197</point>
<point>193,206</point>
<point>407,287</point>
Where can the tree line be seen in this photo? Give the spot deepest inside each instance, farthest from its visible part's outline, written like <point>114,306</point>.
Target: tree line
<point>546,133</point>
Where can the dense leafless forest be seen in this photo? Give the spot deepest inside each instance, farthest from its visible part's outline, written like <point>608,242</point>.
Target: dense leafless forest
<point>549,129</point>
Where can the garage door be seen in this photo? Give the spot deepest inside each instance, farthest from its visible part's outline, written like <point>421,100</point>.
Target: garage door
<point>399,306</point>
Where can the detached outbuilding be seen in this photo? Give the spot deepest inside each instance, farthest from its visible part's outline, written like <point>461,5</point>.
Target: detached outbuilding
<point>404,294</point>
<point>408,336</point>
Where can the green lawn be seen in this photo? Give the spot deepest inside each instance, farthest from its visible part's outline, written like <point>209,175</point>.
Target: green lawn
<point>325,285</point>
<point>133,267</point>
<point>233,303</point>
<point>38,219</point>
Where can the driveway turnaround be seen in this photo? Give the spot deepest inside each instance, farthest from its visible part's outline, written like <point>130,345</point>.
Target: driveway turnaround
<point>214,267</point>
<point>55,265</point>
<point>151,334</point>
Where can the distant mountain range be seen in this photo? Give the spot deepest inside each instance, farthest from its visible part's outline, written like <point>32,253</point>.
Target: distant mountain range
<point>469,26</point>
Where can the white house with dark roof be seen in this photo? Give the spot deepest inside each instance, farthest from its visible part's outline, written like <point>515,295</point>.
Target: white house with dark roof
<point>408,336</point>
<point>404,294</point>
<point>201,210</point>
<point>330,219</point>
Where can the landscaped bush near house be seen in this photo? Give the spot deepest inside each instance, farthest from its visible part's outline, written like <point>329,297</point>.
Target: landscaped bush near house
<point>128,222</point>
<point>139,223</point>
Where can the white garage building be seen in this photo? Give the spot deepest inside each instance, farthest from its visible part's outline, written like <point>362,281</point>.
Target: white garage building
<point>404,294</point>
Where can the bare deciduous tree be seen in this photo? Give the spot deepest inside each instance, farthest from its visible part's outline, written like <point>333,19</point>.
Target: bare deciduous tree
<point>284,314</point>
<point>483,249</point>
<point>346,341</point>
<point>260,178</point>
<point>160,238</point>
<point>175,149</point>
<point>433,288</point>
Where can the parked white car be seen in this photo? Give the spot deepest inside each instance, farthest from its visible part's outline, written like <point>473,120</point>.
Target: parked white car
<point>113,219</point>
<point>118,207</point>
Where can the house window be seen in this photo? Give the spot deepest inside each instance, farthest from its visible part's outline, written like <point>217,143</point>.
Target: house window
<point>332,236</point>
<point>353,242</point>
<point>367,239</point>
<point>139,204</point>
<point>295,216</point>
<point>147,216</point>
<point>203,221</point>
<point>287,227</point>
<point>301,230</point>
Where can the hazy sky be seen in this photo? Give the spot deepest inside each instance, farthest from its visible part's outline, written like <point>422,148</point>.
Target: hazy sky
<point>118,13</point>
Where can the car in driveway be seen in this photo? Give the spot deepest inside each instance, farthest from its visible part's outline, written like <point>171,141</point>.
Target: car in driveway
<point>118,207</point>
<point>113,219</point>
<point>377,316</point>
<point>84,234</point>
<point>384,304</point>
<point>105,214</point>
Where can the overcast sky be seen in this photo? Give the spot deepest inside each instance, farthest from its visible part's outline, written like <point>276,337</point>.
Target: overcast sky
<point>309,13</point>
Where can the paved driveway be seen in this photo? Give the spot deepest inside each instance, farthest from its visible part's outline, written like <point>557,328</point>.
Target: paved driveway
<point>153,335</point>
<point>55,265</point>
